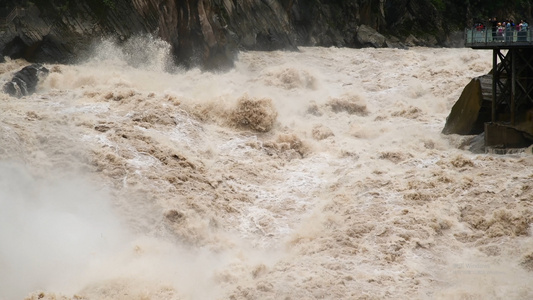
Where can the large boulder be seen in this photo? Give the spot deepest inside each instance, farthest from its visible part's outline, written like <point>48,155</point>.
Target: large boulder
<point>463,118</point>
<point>369,37</point>
<point>25,81</point>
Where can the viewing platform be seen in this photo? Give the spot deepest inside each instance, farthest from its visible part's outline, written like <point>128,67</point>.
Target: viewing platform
<point>510,124</point>
<point>490,38</point>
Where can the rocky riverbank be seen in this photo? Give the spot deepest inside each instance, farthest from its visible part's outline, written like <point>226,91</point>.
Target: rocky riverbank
<point>209,33</point>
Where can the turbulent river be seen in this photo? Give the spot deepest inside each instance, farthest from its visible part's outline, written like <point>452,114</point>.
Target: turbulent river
<point>318,174</point>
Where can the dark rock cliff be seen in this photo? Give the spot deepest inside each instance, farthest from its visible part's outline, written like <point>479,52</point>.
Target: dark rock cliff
<point>210,32</point>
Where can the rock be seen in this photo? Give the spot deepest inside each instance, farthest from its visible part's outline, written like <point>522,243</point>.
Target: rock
<point>411,41</point>
<point>369,37</point>
<point>473,108</point>
<point>394,42</point>
<point>419,22</point>
<point>464,114</point>
<point>25,81</point>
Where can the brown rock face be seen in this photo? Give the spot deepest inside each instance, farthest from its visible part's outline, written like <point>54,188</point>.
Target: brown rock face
<point>464,114</point>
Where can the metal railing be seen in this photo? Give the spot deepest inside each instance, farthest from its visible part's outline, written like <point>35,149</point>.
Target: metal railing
<point>493,37</point>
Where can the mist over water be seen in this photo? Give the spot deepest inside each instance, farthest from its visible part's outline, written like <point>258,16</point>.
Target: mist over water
<point>318,174</point>
<point>50,230</point>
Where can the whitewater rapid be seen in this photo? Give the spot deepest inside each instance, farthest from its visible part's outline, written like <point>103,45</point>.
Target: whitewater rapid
<point>317,174</point>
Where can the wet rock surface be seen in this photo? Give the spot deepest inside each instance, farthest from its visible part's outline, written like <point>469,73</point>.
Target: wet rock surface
<point>25,81</point>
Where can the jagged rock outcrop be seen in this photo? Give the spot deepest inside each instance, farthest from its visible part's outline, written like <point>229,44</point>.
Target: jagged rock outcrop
<point>472,109</point>
<point>416,18</point>
<point>25,81</point>
<point>210,32</point>
<point>465,111</point>
<point>368,37</point>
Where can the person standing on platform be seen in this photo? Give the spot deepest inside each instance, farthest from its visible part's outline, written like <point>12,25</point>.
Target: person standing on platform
<point>499,32</point>
<point>522,31</point>
<point>493,25</point>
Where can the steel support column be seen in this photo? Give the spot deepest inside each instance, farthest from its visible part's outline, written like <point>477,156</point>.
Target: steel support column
<point>494,78</point>
<point>513,56</point>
